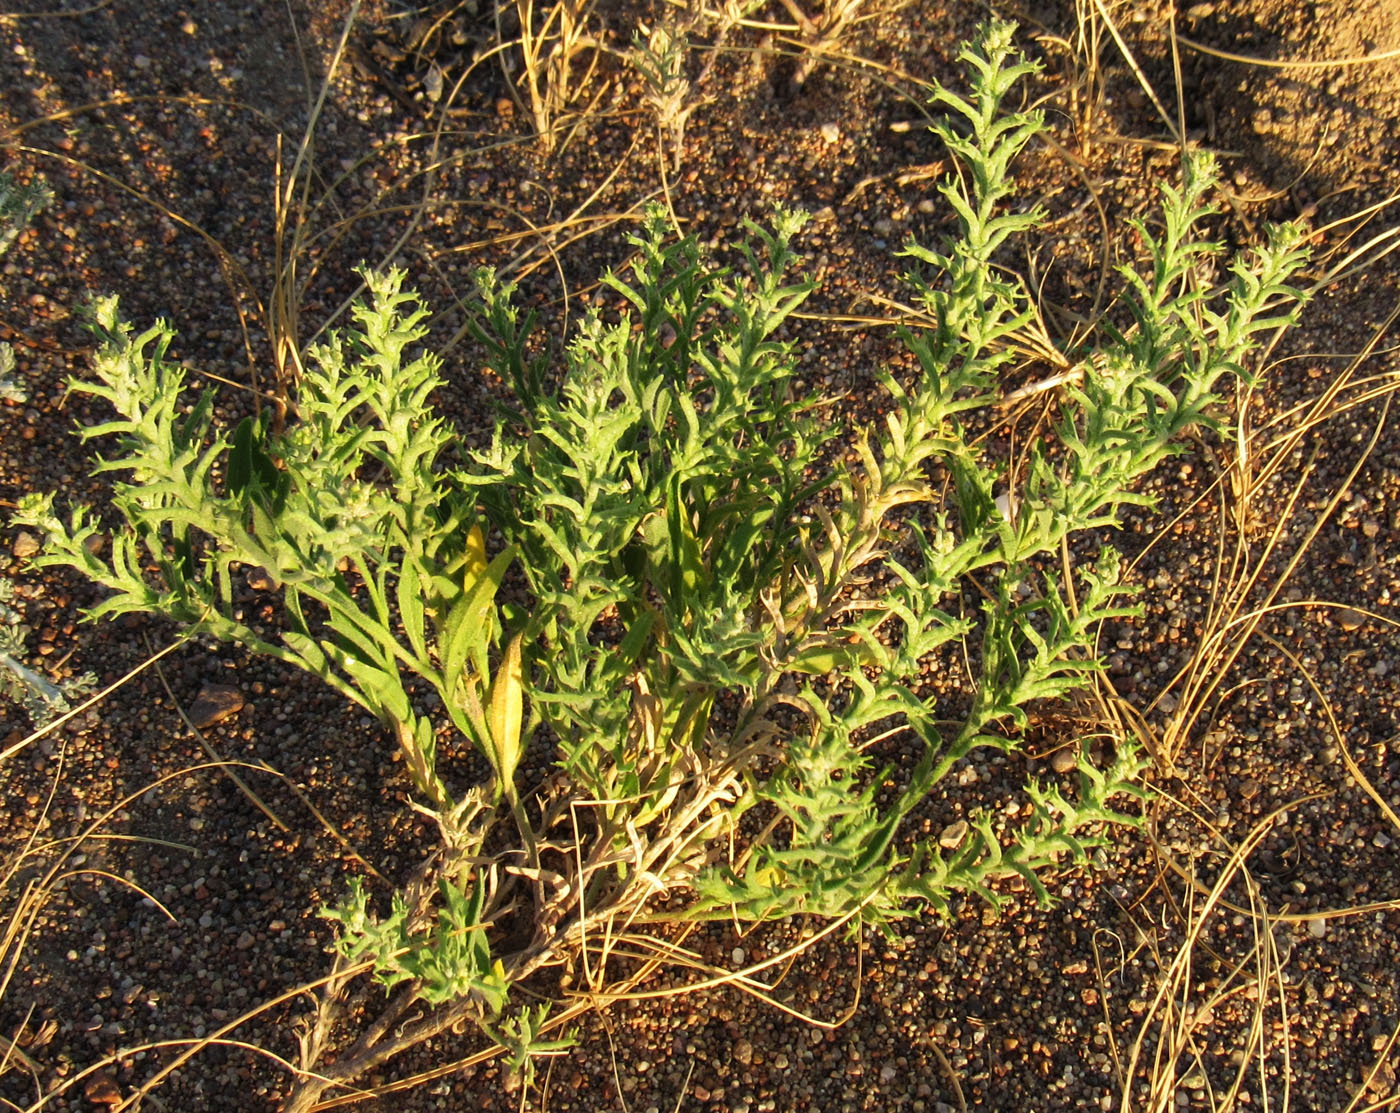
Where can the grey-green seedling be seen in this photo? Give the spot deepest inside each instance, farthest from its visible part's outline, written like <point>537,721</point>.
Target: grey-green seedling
<point>660,57</point>
<point>19,204</point>
<point>44,700</point>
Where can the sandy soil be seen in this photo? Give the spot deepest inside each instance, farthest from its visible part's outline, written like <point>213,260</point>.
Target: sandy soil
<point>160,128</point>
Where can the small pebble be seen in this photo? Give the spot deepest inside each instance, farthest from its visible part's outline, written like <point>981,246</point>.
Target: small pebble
<point>259,579</point>
<point>1317,927</point>
<point>1349,619</point>
<point>215,703</point>
<point>102,1089</point>
<point>831,133</point>
<point>1383,1081</point>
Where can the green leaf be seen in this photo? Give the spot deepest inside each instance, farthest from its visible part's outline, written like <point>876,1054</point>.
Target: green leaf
<point>466,632</point>
<point>382,688</point>
<point>687,570</point>
<point>822,659</point>
<point>410,602</point>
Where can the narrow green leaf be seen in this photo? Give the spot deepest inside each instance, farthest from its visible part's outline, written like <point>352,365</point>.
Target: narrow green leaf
<point>466,630</point>
<point>410,600</point>
<point>687,570</point>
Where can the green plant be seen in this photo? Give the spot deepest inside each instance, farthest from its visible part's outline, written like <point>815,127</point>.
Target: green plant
<point>722,625</point>
<point>381,579</point>
<point>10,391</point>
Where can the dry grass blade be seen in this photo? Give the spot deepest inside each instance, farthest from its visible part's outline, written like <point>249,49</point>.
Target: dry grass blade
<point>291,198</point>
<point>19,923</point>
<point>1086,94</point>
<point>1176,1010</point>
<point>555,1023</point>
<point>1179,1057</point>
<point>51,865</point>
<point>1362,258</point>
<point>1085,85</point>
<point>315,240</point>
<point>617,933</point>
<point>240,286</point>
<point>1239,598</point>
<point>1178,139</point>
<point>652,952</point>
<point>1291,63</point>
<point>1168,1047</point>
<point>820,36</point>
<point>52,860</point>
<point>214,756</point>
<point>54,13</point>
<point>549,56</point>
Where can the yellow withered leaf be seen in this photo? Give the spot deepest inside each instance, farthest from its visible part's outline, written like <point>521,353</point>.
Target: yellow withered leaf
<point>506,715</point>
<point>476,557</point>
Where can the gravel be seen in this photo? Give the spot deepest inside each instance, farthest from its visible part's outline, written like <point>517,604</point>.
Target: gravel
<point>204,907</point>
